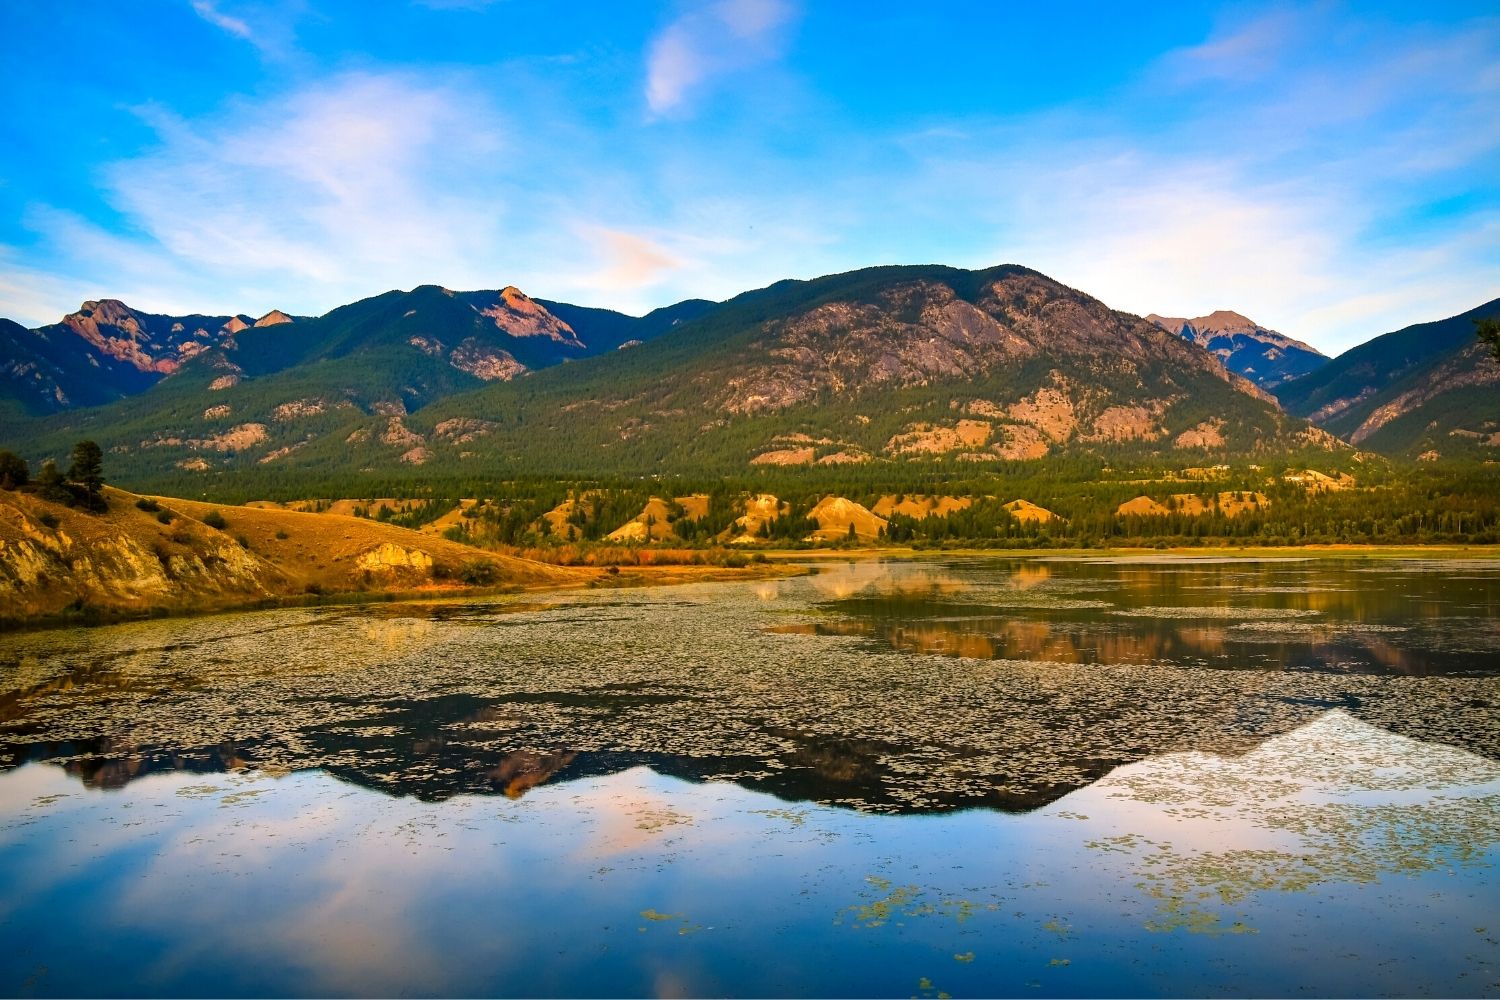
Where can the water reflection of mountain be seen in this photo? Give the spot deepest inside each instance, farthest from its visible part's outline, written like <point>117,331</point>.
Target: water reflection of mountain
<point>821,689</point>
<point>851,773</point>
<point>448,746</point>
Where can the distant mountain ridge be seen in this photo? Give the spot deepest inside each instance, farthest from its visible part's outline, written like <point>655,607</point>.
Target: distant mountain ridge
<point>107,350</point>
<point>1262,355</point>
<point>1430,390</point>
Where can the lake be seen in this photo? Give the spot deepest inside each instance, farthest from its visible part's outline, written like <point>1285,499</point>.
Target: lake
<point>913,777</point>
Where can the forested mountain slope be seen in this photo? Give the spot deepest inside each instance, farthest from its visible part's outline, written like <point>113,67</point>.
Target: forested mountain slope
<point>1427,390</point>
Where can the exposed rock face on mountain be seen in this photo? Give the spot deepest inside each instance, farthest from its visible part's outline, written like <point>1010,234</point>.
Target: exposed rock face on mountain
<point>104,351</point>
<point>920,331</point>
<point>515,314</point>
<point>1428,390</point>
<point>1263,356</point>
<point>273,318</point>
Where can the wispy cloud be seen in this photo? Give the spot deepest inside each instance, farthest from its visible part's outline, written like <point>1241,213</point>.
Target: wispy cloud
<point>1245,52</point>
<point>270,26</point>
<point>718,40</point>
<point>362,182</point>
<point>210,12</point>
<point>628,262</point>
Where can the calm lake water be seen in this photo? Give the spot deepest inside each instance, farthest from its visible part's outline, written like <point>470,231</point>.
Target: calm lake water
<point>895,778</point>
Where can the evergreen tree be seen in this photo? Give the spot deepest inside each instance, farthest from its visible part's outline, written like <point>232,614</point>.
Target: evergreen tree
<point>87,470</point>
<point>13,470</point>
<point>1488,331</point>
<point>51,486</point>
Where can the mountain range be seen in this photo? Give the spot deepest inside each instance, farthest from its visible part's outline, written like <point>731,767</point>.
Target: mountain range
<point>904,364</point>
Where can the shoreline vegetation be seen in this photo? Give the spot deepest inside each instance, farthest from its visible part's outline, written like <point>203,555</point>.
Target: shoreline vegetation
<point>127,558</point>
<point>778,564</point>
<point>76,551</point>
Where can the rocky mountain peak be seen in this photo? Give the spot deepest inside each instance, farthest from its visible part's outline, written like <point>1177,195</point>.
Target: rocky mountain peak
<point>273,318</point>
<point>1226,321</point>
<point>517,314</point>
<point>1246,348</point>
<point>104,312</point>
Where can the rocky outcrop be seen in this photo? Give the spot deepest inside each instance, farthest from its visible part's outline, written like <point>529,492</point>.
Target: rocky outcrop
<point>273,318</point>
<point>117,331</point>
<point>1020,443</point>
<point>461,430</point>
<point>785,456</point>
<point>488,363</point>
<point>843,346</point>
<point>297,409</point>
<point>391,560</point>
<point>839,518</point>
<point>930,439</point>
<point>1208,434</point>
<point>514,313</point>
<point>1125,423</point>
<point>397,435</point>
<point>1470,368</point>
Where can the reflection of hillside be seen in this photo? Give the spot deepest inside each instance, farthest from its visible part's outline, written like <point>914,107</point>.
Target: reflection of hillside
<point>1336,800</point>
<point>988,638</point>
<point>519,771</point>
<point>930,624</point>
<point>845,580</point>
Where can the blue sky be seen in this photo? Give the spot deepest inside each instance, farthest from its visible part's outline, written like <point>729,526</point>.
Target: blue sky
<point>1332,171</point>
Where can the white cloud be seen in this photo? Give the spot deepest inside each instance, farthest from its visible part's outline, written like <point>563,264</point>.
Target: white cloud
<point>1184,240</point>
<point>722,38</point>
<point>34,298</point>
<point>362,183</point>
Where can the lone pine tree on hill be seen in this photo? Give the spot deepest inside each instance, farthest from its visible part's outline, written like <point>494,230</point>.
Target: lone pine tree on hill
<point>87,470</point>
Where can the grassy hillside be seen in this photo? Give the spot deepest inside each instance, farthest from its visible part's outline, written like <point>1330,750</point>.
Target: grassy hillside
<point>156,555</point>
